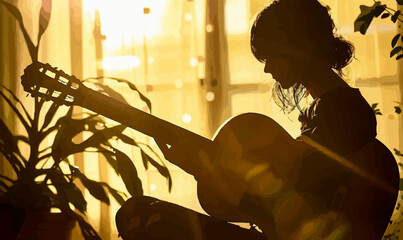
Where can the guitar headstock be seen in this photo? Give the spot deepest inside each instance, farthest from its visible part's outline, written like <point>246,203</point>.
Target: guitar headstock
<point>45,81</point>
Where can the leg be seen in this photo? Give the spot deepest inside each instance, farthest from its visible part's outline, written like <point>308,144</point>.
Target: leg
<point>151,219</point>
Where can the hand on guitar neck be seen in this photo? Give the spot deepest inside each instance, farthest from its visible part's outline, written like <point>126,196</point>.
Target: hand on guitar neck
<point>201,163</point>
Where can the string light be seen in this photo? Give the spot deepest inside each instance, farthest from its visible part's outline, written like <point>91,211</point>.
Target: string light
<point>188,17</point>
<point>153,187</point>
<point>150,60</point>
<point>178,83</point>
<point>193,62</point>
<point>209,28</point>
<point>186,118</point>
<point>210,96</point>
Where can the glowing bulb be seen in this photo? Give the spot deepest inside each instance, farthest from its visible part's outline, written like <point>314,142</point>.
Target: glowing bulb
<point>186,118</point>
<point>210,96</point>
<point>178,83</point>
<point>153,187</point>
<point>209,28</point>
<point>193,62</point>
<point>188,17</point>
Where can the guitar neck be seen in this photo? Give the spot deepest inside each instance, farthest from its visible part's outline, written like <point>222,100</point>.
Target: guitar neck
<point>136,119</point>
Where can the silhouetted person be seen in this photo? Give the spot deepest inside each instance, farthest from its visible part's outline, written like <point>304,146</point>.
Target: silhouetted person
<point>294,191</point>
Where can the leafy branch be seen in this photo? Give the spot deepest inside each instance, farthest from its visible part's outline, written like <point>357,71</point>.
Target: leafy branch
<point>368,13</point>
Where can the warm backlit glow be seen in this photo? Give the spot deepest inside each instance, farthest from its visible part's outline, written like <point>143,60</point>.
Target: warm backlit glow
<point>121,62</point>
<point>126,19</point>
<point>237,16</point>
<point>153,187</point>
<point>186,118</point>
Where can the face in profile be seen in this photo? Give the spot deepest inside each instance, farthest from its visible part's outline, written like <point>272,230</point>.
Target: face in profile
<point>281,70</point>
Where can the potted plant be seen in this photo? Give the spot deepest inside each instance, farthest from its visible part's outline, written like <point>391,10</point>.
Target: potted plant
<point>45,178</point>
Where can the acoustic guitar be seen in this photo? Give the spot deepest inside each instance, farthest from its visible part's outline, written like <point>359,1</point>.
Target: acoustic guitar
<point>251,170</point>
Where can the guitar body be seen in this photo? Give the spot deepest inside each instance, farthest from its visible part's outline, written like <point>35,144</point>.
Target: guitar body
<point>248,145</point>
<point>252,145</point>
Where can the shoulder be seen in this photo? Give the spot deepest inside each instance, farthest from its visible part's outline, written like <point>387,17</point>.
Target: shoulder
<point>341,119</point>
<point>347,104</point>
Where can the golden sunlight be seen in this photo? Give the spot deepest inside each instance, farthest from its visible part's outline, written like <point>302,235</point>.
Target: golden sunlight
<point>121,62</point>
<point>130,22</point>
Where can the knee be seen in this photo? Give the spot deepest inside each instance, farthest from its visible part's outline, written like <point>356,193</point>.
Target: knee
<point>133,215</point>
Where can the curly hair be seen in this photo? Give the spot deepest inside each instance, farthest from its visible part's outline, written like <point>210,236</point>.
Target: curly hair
<point>300,30</point>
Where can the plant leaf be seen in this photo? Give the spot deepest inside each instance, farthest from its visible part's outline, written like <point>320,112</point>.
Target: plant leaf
<point>7,138</point>
<point>365,18</point>
<point>399,56</point>
<point>128,173</point>
<point>63,145</point>
<point>395,16</point>
<point>22,138</point>
<point>131,86</point>
<point>17,15</point>
<point>95,189</point>
<point>385,15</point>
<point>44,17</point>
<point>87,230</point>
<point>163,170</point>
<point>126,139</point>
<point>115,193</point>
<point>395,50</point>
<point>109,157</point>
<point>16,111</point>
<point>18,101</point>
<point>50,114</point>
<point>75,196</point>
<point>62,186</point>
<point>113,131</point>
<point>379,9</point>
<point>395,39</point>
<point>374,108</point>
<point>397,152</point>
<point>112,93</point>
<point>144,157</point>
